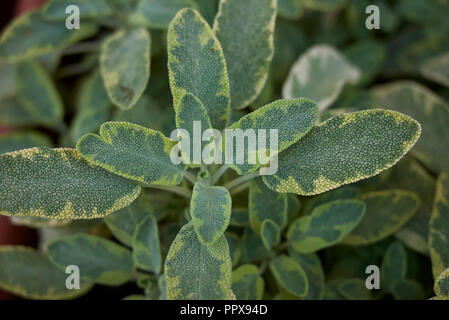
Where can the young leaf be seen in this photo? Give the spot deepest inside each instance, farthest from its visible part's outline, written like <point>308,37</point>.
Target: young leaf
<point>247,284</point>
<point>436,69</point>
<point>290,9</point>
<point>196,65</point>
<point>245,29</point>
<point>210,209</point>
<point>289,275</point>
<point>394,266</point>
<point>89,9</point>
<point>442,285</point>
<point>270,234</point>
<point>344,149</point>
<point>291,119</point>
<point>38,94</point>
<point>439,227</point>
<point>386,212</point>
<point>320,75</point>
<point>327,225</point>
<point>146,249</point>
<point>313,269</point>
<point>31,35</point>
<point>430,110</point>
<point>32,177</point>
<point>29,274</point>
<point>266,204</point>
<point>194,271</point>
<point>354,289</point>
<point>125,65</point>
<point>344,192</point>
<point>99,260</point>
<point>21,140</point>
<point>133,152</point>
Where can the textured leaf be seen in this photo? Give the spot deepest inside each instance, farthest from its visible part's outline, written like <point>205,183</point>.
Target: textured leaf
<point>32,177</point>
<point>394,266</point>
<point>266,204</point>
<point>245,29</point>
<point>344,149</point>
<point>196,65</point>
<point>38,94</point>
<point>92,107</point>
<point>408,289</point>
<point>313,269</point>
<point>442,285</point>
<point>439,227</point>
<point>31,35</point>
<point>125,65</point>
<point>21,140</point>
<point>320,75</point>
<point>386,212</point>
<point>292,119</point>
<point>290,9</point>
<point>289,275</point>
<point>354,289</point>
<point>270,234</point>
<point>56,9</point>
<point>99,260</point>
<point>345,192</point>
<point>194,271</point>
<point>146,248</point>
<point>133,152</point>
<point>327,225</point>
<point>27,273</point>
<point>430,110</point>
<point>247,284</point>
<point>436,69</point>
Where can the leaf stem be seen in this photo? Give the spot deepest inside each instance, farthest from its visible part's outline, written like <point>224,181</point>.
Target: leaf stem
<point>190,177</point>
<point>174,189</point>
<point>217,175</point>
<point>236,182</point>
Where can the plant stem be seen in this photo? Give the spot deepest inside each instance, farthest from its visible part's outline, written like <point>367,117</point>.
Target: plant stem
<point>217,175</point>
<point>240,188</point>
<point>236,182</point>
<point>174,189</point>
<point>190,177</point>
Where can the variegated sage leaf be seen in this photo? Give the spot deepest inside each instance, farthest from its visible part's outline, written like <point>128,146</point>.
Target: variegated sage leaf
<point>29,274</point>
<point>89,9</point>
<point>194,271</point>
<point>245,29</point>
<point>394,266</point>
<point>125,65</point>
<point>327,225</point>
<point>320,75</point>
<point>439,227</point>
<point>196,65</point>
<point>289,119</point>
<point>99,260</point>
<point>38,94</point>
<point>442,285</point>
<point>289,275</point>
<point>311,264</point>
<point>354,289</point>
<point>133,152</point>
<point>344,192</point>
<point>266,204</point>
<point>210,209</point>
<point>290,9</point>
<point>437,69</point>
<point>247,284</point>
<point>386,212</point>
<point>344,149</point>
<point>430,110</point>
<point>23,139</point>
<point>146,248</point>
<point>270,234</point>
<point>32,177</point>
<point>31,35</point>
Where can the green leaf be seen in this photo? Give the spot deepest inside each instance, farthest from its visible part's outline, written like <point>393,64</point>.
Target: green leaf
<point>266,204</point>
<point>8,76</point>
<point>290,9</point>
<point>270,234</point>
<point>235,249</point>
<point>29,274</point>
<point>344,192</point>
<point>394,266</point>
<point>32,177</point>
<point>327,225</point>
<point>430,110</point>
<point>247,284</point>
<point>208,9</point>
<point>31,35</point>
<point>157,14</point>
<point>324,5</point>
<point>344,149</point>
<point>147,153</point>
<point>99,260</point>
<point>439,227</point>
<point>253,248</point>
<point>292,120</point>
<point>38,94</point>
<point>289,275</point>
<point>125,65</point>
<point>196,65</point>
<point>123,223</point>
<point>436,69</point>
<point>21,140</point>
<point>386,212</point>
<point>89,9</point>
<point>245,29</point>
<point>320,75</point>
<point>194,271</point>
<point>313,269</point>
<point>293,207</point>
<point>210,209</point>
<point>239,217</point>
<point>354,289</point>
<point>408,289</point>
<point>146,248</point>
<point>442,285</point>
